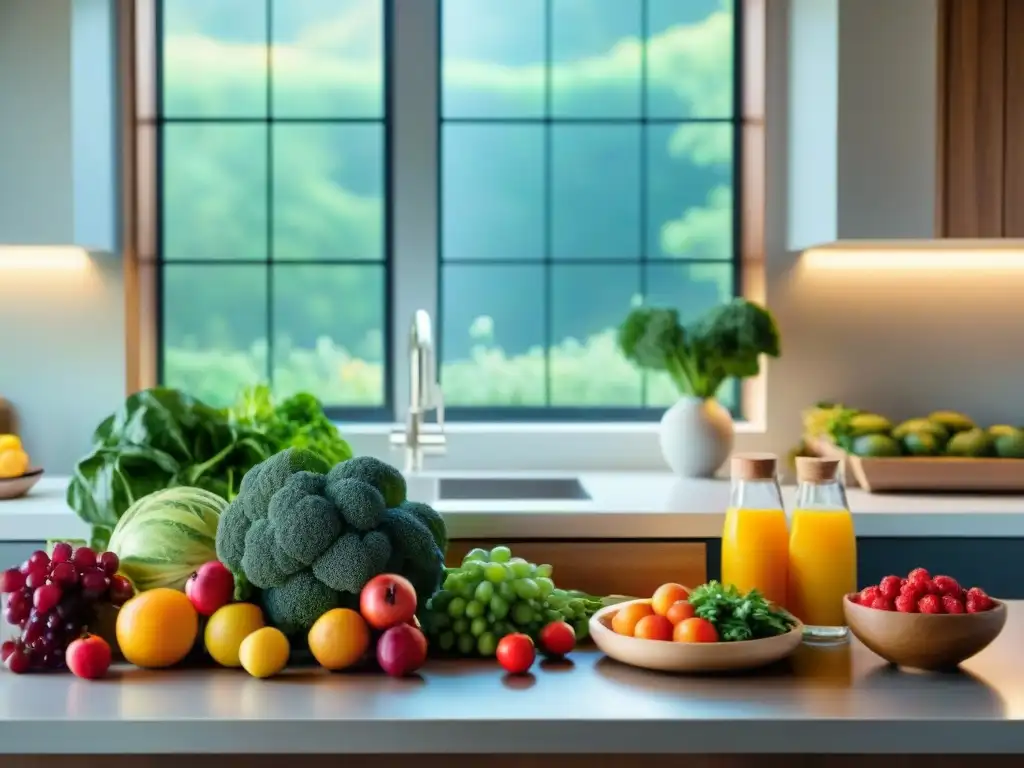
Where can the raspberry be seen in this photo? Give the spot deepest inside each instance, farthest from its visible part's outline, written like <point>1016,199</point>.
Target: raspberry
<point>929,604</point>
<point>946,585</point>
<point>906,604</point>
<point>914,589</point>
<point>890,587</point>
<point>868,595</point>
<point>882,604</point>
<point>979,603</point>
<point>854,597</point>
<point>952,604</point>
<point>919,574</point>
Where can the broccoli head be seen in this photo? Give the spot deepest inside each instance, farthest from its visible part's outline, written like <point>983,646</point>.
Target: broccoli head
<point>726,342</point>
<point>382,476</point>
<point>310,536</point>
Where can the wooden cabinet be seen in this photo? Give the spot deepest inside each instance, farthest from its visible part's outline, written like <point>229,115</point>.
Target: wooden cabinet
<point>981,119</point>
<point>634,568</point>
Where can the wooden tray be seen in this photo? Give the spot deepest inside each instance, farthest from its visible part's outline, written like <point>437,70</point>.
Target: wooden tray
<point>940,474</point>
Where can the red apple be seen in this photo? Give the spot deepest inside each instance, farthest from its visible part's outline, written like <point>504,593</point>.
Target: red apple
<point>210,588</point>
<point>401,650</point>
<point>387,600</point>
<point>88,657</point>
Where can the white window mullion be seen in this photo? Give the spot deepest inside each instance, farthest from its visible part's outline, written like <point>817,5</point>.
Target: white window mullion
<point>414,178</point>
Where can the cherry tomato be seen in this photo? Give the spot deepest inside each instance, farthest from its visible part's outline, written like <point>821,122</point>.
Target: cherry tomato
<point>557,638</point>
<point>695,630</point>
<point>516,653</point>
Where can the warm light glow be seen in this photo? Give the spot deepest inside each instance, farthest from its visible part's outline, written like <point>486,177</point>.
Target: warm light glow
<point>934,256</point>
<point>42,257</point>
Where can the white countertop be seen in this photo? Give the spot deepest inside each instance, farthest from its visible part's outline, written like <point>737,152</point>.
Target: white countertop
<point>622,505</point>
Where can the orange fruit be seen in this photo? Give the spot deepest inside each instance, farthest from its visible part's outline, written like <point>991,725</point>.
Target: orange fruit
<point>653,627</point>
<point>667,594</point>
<point>339,638</point>
<point>680,610</point>
<point>157,628</point>
<point>695,631</point>
<point>625,620</point>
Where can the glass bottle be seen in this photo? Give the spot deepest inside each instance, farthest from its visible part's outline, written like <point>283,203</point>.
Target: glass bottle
<point>755,541</point>
<point>822,550</point>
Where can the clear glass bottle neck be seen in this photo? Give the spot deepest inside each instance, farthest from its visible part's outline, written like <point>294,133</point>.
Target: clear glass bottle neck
<point>827,495</point>
<point>755,494</point>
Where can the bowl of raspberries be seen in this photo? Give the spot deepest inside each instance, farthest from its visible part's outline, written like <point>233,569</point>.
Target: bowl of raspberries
<point>923,621</point>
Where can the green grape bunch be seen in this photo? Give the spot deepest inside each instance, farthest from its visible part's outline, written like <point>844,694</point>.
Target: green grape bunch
<point>493,594</point>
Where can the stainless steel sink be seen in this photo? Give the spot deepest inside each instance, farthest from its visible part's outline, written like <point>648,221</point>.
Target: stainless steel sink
<point>524,488</point>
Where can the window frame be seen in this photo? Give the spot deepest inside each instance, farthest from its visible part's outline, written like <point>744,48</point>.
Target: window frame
<point>413,216</point>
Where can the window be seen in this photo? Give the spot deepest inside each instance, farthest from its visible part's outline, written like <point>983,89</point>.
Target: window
<point>273,238</point>
<point>524,170</point>
<point>587,152</point>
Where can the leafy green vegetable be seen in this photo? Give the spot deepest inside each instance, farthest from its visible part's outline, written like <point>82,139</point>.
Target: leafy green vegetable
<point>297,421</point>
<point>165,536</point>
<point>160,438</point>
<point>726,342</point>
<point>739,616</point>
<point>157,439</point>
<point>310,536</point>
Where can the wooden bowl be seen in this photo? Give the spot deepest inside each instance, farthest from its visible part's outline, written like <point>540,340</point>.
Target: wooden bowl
<point>669,656</point>
<point>931,642</point>
<point>13,487</point>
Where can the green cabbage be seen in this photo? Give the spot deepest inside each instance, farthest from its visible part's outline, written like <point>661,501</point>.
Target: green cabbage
<point>165,536</point>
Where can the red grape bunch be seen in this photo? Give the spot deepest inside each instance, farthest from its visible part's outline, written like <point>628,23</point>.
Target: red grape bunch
<point>52,599</point>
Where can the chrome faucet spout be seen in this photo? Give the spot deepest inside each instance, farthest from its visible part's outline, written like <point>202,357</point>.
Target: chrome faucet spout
<point>425,395</point>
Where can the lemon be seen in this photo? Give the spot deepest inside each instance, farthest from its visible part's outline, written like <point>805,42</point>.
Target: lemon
<point>10,443</point>
<point>226,630</point>
<point>264,653</point>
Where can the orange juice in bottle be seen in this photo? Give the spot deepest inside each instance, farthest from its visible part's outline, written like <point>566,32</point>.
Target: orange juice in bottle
<point>755,541</point>
<point>822,550</point>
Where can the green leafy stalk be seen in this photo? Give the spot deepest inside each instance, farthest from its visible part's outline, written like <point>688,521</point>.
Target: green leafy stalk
<point>738,616</point>
<point>725,343</point>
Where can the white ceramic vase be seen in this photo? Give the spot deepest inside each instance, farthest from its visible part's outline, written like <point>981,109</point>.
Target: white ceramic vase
<point>696,436</point>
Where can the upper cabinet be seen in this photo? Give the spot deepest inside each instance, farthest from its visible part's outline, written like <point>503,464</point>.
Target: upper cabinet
<point>981,119</point>
<point>58,139</point>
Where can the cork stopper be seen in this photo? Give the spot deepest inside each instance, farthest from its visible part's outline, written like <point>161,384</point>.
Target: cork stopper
<point>815,470</point>
<point>754,466</point>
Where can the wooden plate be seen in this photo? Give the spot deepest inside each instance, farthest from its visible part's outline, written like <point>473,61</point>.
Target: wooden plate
<point>13,487</point>
<point>667,656</point>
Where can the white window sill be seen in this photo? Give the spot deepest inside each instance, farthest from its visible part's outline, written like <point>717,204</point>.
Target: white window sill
<point>500,446</point>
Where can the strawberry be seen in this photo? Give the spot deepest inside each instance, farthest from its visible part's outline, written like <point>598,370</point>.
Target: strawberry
<point>952,604</point>
<point>890,587</point>
<point>976,592</point>
<point>882,604</point>
<point>946,585</point>
<point>906,604</point>
<point>868,595</point>
<point>919,574</point>
<point>929,604</point>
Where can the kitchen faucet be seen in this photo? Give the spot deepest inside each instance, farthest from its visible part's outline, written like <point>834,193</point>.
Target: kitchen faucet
<point>425,395</point>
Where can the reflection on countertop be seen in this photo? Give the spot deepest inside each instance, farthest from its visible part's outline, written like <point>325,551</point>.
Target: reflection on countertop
<point>821,700</point>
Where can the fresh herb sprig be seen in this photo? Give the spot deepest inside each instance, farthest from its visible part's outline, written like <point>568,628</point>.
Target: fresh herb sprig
<point>738,616</point>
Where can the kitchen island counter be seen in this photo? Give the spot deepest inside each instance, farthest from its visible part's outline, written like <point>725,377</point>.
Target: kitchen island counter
<point>838,700</point>
<point>621,505</point>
